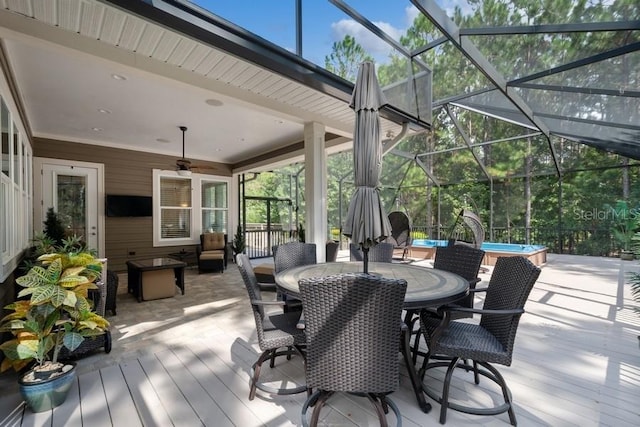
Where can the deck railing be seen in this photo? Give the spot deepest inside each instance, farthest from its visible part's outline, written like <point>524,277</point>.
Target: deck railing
<point>594,242</point>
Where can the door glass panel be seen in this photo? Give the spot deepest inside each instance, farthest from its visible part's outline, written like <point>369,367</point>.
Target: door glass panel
<point>72,207</point>
<point>4,124</point>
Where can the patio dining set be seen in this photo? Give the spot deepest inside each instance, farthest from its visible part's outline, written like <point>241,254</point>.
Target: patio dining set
<point>349,328</point>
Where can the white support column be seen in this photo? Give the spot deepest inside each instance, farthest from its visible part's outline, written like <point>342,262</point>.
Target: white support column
<point>315,159</point>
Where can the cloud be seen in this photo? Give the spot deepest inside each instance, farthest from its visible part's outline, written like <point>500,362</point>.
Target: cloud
<point>365,38</point>
<point>370,42</point>
<point>449,6</point>
<point>411,13</point>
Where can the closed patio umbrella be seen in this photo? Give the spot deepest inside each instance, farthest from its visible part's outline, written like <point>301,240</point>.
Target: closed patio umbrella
<point>367,223</point>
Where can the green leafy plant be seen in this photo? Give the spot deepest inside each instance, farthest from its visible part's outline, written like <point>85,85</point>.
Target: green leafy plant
<point>53,227</point>
<point>301,236</point>
<point>57,312</point>
<point>238,241</point>
<point>625,224</point>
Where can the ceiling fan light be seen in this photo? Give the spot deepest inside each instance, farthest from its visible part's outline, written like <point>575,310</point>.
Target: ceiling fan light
<point>184,172</point>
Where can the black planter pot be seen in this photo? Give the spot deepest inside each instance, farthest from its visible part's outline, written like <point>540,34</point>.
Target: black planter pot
<point>45,395</point>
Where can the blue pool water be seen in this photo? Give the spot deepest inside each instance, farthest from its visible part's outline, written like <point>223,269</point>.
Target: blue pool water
<point>486,246</point>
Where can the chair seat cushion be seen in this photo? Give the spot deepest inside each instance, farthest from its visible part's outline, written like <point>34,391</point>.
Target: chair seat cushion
<point>264,269</point>
<point>469,341</point>
<point>280,331</point>
<point>209,255</point>
<point>265,273</point>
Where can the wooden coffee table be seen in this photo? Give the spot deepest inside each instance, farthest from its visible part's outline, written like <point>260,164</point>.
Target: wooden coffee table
<point>157,278</point>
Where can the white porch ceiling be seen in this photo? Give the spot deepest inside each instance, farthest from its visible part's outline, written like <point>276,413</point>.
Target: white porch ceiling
<point>64,54</point>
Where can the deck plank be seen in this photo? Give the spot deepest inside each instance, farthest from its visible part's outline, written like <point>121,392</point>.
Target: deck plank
<point>36,419</point>
<point>70,412</point>
<point>234,373</point>
<point>121,406</point>
<point>208,410</point>
<point>95,411</point>
<point>11,408</point>
<point>197,360</point>
<point>178,407</point>
<point>147,402</point>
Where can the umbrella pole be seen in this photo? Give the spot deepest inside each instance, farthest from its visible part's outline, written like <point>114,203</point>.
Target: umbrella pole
<point>365,258</point>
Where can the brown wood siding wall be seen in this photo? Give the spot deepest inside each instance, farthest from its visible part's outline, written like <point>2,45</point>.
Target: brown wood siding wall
<point>126,172</point>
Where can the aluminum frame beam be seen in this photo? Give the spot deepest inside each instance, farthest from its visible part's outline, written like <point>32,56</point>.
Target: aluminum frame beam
<point>553,28</point>
<point>467,141</point>
<point>440,19</point>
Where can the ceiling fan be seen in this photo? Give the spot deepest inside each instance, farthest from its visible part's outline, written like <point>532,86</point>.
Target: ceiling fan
<point>183,166</point>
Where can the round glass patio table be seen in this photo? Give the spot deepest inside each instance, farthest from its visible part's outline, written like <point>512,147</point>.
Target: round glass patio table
<point>426,287</point>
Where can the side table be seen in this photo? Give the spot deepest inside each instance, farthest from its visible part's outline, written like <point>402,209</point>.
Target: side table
<point>182,255</point>
<point>155,278</point>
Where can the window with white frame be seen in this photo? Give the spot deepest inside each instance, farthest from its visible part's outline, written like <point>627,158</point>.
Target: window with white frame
<point>186,206</point>
<point>214,208</point>
<point>16,192</point>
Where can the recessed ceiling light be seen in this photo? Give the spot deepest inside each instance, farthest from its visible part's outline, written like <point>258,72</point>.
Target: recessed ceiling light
<point>97,129</point>
<point>214,102</point>
<point>163,140</point>
<point>218,149</point>
<point>118,77</point>
<point>104,111</point>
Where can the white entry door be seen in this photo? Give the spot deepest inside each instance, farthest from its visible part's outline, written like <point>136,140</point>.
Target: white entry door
<point>73,190</point>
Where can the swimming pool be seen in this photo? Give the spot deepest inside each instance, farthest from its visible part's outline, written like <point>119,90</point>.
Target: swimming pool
<point>537,254</point>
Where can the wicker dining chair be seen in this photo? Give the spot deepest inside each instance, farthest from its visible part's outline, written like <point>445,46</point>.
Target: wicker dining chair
<point>462,260</point>
<point>353,330</point>
<point>289,255</point>
<point>382,252</point>
<point>489,341</point>
<point>293,254</point>
<point>277,333</point>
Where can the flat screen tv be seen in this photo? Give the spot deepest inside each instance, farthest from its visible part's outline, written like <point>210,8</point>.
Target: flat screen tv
<point>117,205</point>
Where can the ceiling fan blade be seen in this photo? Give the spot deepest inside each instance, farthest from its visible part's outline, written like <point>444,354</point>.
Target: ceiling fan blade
<point>183,164</point>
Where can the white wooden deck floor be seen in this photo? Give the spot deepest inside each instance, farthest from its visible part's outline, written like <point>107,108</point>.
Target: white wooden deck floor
<point>185,361</point>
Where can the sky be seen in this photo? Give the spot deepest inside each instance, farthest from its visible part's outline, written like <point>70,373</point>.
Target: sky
<point>323,23</point>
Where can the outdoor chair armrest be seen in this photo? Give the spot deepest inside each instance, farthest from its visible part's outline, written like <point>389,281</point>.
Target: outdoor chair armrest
<point>289,303</point>
<point>446,311</point>
<point>263,302</point>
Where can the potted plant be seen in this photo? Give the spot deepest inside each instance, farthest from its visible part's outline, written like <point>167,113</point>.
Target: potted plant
<point>55,314</point>
<point>53,227</point>
<point>238,245</point>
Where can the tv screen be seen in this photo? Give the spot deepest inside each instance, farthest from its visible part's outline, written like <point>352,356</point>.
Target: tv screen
<point>117,205</point>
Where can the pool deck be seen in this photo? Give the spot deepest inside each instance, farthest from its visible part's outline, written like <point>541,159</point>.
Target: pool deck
<point>538,257</point>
